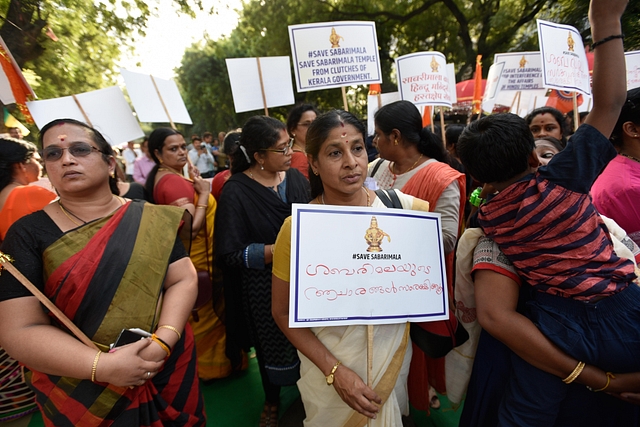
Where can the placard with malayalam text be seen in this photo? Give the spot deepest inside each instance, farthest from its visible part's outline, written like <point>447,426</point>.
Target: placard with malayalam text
<point>359,265</point>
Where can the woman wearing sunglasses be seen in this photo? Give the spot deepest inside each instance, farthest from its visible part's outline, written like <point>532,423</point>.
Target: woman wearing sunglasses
<point>253,205</point>
<point>92,255</point>
<point>298,121</point>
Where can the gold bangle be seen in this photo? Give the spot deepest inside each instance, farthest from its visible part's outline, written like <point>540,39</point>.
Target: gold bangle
<point>158,341</point>
<point>330,377</point>
<point>201,206</point>
<point>94,367</point>
<point>609,376</point>
<point>171,328</point>
<point>576,372</point>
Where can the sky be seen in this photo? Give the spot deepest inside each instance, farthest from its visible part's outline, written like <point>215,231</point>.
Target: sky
<point>168,35</point>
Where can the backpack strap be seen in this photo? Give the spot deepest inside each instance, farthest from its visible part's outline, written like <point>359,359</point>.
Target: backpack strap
<point>389,198</point>
<point>376,167</point>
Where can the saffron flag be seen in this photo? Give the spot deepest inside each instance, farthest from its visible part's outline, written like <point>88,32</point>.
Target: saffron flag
<point>477,87</point>
<point>426,116</point>
<point>375,89</point>
<point>14,89</point>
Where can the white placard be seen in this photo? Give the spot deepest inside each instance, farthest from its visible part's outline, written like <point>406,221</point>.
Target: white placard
<point>564,61</point>
<point>633,69</point>
<point>522,71</point>
<point>147,102</point>
<point>106,109</point>
<point>335,54</point>
<point>336,280</point>
<point>244,77</point>
<point>423,79</point>
<point>374,103</point>
<point>493,81</point>
<point>451,72</point>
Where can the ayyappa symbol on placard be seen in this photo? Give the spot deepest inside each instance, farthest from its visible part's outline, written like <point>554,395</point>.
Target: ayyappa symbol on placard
<point>374,236</point>
<point>434,65</point>
<point>335,38</point>
<point>570,42</point>
<point>523,62</point>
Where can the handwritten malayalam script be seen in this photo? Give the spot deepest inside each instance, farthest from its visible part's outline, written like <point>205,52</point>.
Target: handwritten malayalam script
<point>633,69</point>
<point>566,69</point>
<point>332,294</point>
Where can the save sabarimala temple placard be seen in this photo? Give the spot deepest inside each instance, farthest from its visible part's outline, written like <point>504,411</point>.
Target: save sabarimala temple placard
<point>335,54</point>
<point>365,266</point>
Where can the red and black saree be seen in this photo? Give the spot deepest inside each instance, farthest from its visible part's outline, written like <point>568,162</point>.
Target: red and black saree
<point>105,276</point>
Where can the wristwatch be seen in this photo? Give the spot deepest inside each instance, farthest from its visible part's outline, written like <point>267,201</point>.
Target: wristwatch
<point>331,374</point>
<point>475,198</point>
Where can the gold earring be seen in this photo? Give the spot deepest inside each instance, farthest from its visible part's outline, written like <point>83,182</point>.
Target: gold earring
<point>395,141</point>
<point>315,172</point>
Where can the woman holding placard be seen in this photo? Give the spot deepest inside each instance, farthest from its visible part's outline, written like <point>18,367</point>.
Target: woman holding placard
<point>334,356</point>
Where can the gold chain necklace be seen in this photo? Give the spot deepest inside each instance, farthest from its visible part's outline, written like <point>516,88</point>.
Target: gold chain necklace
<point>363,189</point>
<point>630,157</point>
<point>391,168</point>
<point>164,168</point>
<point>67,212</point>
<point>64,211</point>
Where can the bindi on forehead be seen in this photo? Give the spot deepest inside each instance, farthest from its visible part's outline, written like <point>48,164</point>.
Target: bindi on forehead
<point>62,137</point>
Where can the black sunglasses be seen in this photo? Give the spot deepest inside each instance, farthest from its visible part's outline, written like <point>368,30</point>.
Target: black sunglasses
<point>79,149</point>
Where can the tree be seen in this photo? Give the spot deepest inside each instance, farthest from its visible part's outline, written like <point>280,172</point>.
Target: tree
<point>461,29</point>
<point>91,35</point>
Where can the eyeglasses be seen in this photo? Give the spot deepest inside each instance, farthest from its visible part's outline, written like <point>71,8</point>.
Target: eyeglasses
<point>305,124</point>
<point>79,149</point>
<point>284,151</point>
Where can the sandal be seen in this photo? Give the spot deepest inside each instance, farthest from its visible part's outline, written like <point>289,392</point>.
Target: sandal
<point>434,401</point>
<point>269,416</point>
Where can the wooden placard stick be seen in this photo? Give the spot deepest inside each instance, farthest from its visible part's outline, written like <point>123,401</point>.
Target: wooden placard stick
<point>576,115</point>
<point>166,111</point>
<point>264,96</point>
<point>444,136</point>
<point>84,114</point>
<point>516,97</point>
<point>5,263</point>
<point>344,98</point>
<point>369,361</point>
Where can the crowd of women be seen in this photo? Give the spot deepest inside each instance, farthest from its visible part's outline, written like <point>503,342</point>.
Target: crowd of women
<point>203,271</point>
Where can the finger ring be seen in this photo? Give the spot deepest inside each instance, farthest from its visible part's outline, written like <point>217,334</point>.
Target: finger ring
<point>148,375</point>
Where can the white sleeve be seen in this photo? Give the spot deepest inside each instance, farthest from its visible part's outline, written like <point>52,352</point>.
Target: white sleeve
<point>448,206</point>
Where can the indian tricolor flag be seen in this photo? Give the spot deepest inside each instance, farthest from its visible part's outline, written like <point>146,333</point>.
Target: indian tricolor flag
<point>14,89</point>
